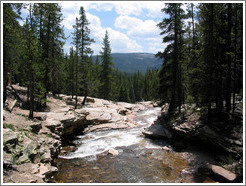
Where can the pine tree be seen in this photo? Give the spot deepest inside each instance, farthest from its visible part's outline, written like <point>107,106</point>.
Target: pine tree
<point>94,77</point>
<point>229,53</point>
<point>82,42</point>
<point>50,32</point>
<point>76,37</point>
<point>170,73</point>
<point>237,66</point>
<point>71,71</point>
<point>12,36</point>
<point>33,63</point>
<point>107,69</point>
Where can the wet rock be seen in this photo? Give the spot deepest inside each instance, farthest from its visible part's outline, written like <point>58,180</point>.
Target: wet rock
<point>67,149</point>
<point>46,170</point>
<point>166,148</point>
<point>113,152</point>
<point>157,131</point>
<point>164,108</point>
<point>221,173</point>
<point>105,126</point>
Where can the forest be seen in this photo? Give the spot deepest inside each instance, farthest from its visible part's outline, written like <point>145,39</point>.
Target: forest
<point>202,63</point>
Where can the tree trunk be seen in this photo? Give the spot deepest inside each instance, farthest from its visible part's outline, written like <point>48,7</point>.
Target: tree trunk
<point>228,78</point>
<point>76,85</point>
<point>210,59</point>
<point>84,100</point>
<point>31,108</point>
<point>46,79</point>
<point>174,66</point>
<point>235,59</point>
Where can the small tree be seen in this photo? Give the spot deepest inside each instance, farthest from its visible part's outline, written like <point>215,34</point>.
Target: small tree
<point>107,68</point>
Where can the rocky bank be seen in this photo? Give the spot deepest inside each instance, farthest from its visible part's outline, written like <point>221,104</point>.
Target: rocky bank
<point>222,137</point>
<point>31,146</point>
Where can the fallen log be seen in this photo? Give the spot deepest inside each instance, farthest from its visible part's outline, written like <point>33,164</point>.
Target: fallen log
<point>13,105</point>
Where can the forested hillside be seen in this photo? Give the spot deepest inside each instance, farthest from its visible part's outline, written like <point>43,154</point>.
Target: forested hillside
<point>133,62</point>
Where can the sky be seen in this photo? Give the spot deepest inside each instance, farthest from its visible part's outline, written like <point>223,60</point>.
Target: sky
<point>131,25</point>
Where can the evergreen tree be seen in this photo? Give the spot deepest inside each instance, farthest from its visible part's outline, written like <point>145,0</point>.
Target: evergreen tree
<point>170,73</point>
<point>107,69</point>
<point>84,50</point>
<point>76,37</point>
<point>94,76</point>
<point>237,37</point>
<point>33,63</point>
<point>50,32</point>
<point>12,36</point>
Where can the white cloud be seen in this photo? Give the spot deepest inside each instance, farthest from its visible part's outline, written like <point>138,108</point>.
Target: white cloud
<point>122,43</point>
<point>126,8</point>
<point>74,6</point>
<point>102,6</point>
<point>69,20</point>
<point>136,27</point>
<point>136,8</point>
<point>153,8</point>
<point>155,47</point>
<point>96,47</point>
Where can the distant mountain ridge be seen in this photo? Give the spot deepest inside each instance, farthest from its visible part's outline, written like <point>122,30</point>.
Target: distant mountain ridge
<point>133,62</point>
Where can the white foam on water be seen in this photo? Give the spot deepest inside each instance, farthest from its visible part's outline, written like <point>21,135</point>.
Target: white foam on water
<point>95,143</point>
<point>102,142</point>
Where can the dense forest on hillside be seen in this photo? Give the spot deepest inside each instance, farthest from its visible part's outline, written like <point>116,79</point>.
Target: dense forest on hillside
<point>132,62</point>
<point>202,64</point>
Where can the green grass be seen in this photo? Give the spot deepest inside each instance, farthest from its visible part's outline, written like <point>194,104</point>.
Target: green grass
<point>49,135</point>
<point>27,132</point>
<point>9,126</point>
<point>25,116</point>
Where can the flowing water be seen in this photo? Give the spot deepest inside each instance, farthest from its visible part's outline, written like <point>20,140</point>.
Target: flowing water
<point>140,159</point>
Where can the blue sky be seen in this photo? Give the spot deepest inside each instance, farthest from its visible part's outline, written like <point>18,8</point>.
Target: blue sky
<point>131,24</point>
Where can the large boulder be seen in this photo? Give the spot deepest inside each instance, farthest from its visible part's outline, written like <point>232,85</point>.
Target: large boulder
<point>105,126</point>
<point>10,139</point>
<point>157,131</point>
<point>35,127</point>
<point>113,152</point>
<point>221,173</point>
<point>28,151</point>
<point>98,116</point>
<point>66,123</point>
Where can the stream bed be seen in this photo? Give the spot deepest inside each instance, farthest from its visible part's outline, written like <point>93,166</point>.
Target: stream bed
<point>140,160</point>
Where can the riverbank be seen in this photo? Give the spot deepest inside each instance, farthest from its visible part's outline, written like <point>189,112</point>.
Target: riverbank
<point>31,146</point>
<point>222,138</point>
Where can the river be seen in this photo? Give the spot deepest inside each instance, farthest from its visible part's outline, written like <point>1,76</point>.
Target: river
<point>140,160</point>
